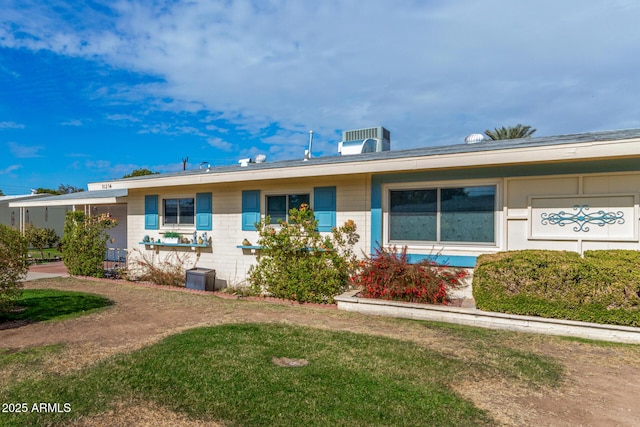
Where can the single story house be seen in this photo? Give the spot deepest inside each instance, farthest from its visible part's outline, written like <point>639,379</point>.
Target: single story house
<point>451,203</point>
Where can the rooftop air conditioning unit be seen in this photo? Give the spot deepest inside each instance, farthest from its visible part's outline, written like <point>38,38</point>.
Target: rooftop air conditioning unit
<point>368,140</point>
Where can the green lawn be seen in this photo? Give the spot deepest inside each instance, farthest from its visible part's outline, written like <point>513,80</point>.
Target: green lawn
<point>37,305</point>
<point>226,373</point>
<point>27,357</point>
<point>49,253</point>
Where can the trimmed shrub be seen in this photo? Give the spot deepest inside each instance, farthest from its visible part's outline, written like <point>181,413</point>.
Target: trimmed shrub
<point>14,266</point>
<point>298,263</point>
<point>85,243</point>
<point>602,287</point>
<point>389,275</point>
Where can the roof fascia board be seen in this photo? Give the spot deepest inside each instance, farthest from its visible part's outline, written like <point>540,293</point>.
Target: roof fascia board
<point>69,202</point>
<point>512,156</point>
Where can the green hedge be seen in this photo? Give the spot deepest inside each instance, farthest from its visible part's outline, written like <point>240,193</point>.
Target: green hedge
<point>602,287</point>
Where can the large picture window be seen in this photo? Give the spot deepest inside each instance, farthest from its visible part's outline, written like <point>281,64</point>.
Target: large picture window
<point>451,215</point>
<point>179,211</point>
<point>278,206</point>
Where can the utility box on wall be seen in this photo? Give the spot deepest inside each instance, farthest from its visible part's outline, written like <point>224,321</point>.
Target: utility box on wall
<point>201,279</point>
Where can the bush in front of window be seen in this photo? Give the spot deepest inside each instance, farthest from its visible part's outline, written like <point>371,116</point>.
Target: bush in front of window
<point>298,263</point>
<point>603,287</point>
<point>389,275</point>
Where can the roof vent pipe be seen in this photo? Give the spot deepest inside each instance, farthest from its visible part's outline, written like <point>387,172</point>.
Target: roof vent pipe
<point>307,153</point>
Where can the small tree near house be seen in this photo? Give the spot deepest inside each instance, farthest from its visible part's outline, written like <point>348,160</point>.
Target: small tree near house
<point>41,238</point>
<point>85,243</point>
<point>13,265</point>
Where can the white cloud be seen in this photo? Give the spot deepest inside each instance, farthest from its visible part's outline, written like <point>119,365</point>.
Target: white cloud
<point>220,144</point>
<point>75,123</point>
<point>97,164</point>
<point>431,72</point>
<point>9,169</point>
<point>11,125</point>
<point>170,129</point>
<point>25,151</point>
<point>123,118</point>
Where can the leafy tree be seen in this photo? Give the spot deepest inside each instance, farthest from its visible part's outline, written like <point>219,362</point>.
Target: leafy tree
<point>299,263</point>
<point>41,238</point>
<point>140,172</point>
<point>62,189</point>
<point>14,265</point>
<point>41,190</point>
<point>1,193</point>
<point>84,243</point>
<point>511,132</point>
<point>67,189</point>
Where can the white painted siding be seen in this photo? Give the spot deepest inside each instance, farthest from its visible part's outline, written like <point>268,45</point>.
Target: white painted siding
<point>611,193</point>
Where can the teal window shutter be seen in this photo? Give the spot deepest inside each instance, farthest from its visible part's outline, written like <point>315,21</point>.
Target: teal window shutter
<point>324,207</point>
<point>151,221</point>
<point>250,209</point>
<point>203,211</point>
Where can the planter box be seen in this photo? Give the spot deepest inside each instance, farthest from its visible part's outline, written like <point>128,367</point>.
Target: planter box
<point>171,240</point>
<point>201,279</point>
<point>349,301</point>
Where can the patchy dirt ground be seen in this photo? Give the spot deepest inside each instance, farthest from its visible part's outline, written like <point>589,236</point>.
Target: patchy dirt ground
<point>601,386</point>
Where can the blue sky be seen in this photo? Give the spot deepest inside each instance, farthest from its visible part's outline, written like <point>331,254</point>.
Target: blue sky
<point>91,90</point>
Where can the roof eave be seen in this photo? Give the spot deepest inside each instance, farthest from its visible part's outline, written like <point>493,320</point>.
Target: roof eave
<point>567,152</point>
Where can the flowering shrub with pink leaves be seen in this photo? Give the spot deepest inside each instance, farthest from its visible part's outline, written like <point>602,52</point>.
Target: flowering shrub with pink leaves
<point>389,275</point>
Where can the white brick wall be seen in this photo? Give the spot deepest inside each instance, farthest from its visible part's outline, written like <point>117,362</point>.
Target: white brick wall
<point>232,263</point>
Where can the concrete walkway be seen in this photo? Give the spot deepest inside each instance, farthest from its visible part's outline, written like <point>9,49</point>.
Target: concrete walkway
<point>46,271</point>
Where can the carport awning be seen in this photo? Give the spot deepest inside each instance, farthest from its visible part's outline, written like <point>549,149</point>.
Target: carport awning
<point>96,197</point>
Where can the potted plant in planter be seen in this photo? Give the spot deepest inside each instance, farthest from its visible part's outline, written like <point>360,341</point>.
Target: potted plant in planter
<point>171,237</point>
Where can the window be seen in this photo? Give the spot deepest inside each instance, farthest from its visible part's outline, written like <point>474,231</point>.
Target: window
<point>413,215</point>
<point>179,211</point>
<point>278,206</point>
<point>460,215</point>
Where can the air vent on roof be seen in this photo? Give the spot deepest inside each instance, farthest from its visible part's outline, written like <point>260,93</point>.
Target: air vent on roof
<point>260,158</point>
<point>474,138</point>
<point>365,141</point>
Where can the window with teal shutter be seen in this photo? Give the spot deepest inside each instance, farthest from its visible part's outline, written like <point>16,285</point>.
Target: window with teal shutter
<point>324,207</point>
<point>250,209</point>
<point>203,211</point>
<point>151,221</point>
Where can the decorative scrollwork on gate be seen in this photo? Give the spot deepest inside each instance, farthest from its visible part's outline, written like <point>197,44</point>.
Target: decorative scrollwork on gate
<point>582,218</point>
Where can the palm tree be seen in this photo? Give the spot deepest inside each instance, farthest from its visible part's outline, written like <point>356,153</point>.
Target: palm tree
<point>511,132</point>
